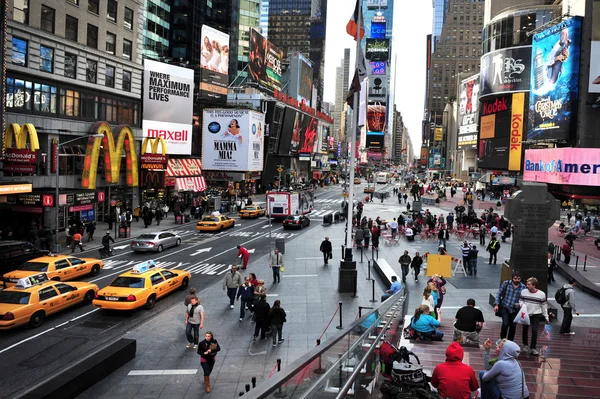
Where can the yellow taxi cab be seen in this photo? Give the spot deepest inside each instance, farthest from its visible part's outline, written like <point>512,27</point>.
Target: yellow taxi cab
<point>252,211</point>
<point>141,286</point>
<point>35,297</point>
<point>57,267</point>
<point>369,189</point>
<point>357,180</point>
<point>215,223</point>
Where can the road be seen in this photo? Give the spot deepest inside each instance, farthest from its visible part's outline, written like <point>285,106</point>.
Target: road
<point>30,356</point>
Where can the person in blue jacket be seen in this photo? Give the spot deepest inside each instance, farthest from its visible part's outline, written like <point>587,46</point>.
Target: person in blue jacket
<point>425,324</point>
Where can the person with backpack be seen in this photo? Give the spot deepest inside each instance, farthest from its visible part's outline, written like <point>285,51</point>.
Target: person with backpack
<point>565,297</point>
<point>493,248</point>
<point>507,304</point>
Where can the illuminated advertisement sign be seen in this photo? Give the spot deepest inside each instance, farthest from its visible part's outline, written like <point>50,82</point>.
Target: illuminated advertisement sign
<point>554,81</point>
<point>377,3</point>
<point>214,64</point>
<point>377,49</point>
<point>468,113</point>
<point>424,155</point>
<point>573,166</point>
<point>505,71</point>
<point>18,157</point>
<point>375,141</point>
<point>264,66</point>
<point>594,82</point>
<point>378,68</point>
<point>378,29</point>
<point>305,82</point>
<point>376,118</point>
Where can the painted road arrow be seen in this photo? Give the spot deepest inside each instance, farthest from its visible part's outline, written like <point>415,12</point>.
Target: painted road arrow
<point>201,250</point>
<point>121,247</point>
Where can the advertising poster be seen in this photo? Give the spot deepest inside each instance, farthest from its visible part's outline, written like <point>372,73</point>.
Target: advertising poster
<point>324,149</point>
<point>297,132</point>
<point>308,134</point>
<point>468,113</point>
<point>305,84</point>
<point>232,140</point>
<point>214,64</point>
<point>287,128</point>
<point>573,166</point>
<point>516,131</point>
<point>424,155</point>
<point>594,84</point>
<point>494,136</point>
<point>264,66</point>
<point>378,30</point>
<point>377,3</point>
<point>554,81</point>
<point>168,102</point>
<point>376,118</point>
<point>375,141</point>
<point>505,71</point>
<point>377,49</point>
<point>438,134</point>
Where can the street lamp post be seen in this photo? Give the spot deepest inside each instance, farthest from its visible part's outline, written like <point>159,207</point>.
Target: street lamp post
<point>56,165</point>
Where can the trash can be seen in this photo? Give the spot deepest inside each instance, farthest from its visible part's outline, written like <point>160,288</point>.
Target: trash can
<point>124,232</point>
<point>280,245</point>
<point>178,219</point>
<point>327,219</point>
<point>347,280</point>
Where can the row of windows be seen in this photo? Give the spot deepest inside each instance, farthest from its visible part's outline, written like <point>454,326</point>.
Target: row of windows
<point>38,97</point>
<point>20,57</point>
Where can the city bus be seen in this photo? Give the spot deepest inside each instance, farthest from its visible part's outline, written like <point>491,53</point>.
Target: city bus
<point>382,178</point>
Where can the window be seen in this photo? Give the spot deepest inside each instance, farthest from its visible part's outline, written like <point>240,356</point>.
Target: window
<point>111,42</point>
<point>18,93</point>
<point>92,36</point>
<point>128,18</point>
<point>91,71</point>
<point>89,106</point>
<point>47,293</point>
<point>44,98</point>
<point>46,59</point>
<point>127,49</point>
<point>94,6</point>
<point>71,28</point>
<point>126,81</point>
<point>19,51</point>
<point>47,20</point>
<point>111,11</point>
<point>21,11</point>
<point>71,65</point>
<point>76,2</point>
<point>109,77</point>
<point>168,274</point>
<point>156,278</point>
<point>64,288</point>
<point>69,102</point>
<point>61,264</point>
<point>76,261</point>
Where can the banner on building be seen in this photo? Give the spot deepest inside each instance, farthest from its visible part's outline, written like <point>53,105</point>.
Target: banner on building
<point>494,132</point>
<point>214,64</point>
<point>168,103</point>
<point>377,49</point>
<point>424,156</point>
<point>468,113</point>
<point>571,166</point>
<point>376,118</point>
<point>438,134</point>
<point>555,81</point>
<point>516,132</point>
<point>505,71</point>
<point>232,140</point>
<point>264,62</point>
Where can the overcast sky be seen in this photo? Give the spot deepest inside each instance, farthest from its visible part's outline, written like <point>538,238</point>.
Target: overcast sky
<point>412,23</point>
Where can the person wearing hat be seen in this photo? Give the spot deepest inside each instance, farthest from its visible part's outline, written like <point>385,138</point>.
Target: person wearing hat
<point>442,250</point>
<point>507,304</point>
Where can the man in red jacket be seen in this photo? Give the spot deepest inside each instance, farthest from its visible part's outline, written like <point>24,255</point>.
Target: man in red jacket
<point>244,254</point>
<point>453,378</point>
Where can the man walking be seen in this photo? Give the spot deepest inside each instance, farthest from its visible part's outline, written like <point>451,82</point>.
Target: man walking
<point>76,242</point>
<point>493,248</point>
<point>507,304</point>
<point>246,291</point>
<point>567,301</point>
<point>404,261</point>
<point>231,282</point>
<point>194,321</point>
<point>276,263</point>
<point>326,249</point>
<point>473,253</point>
<point>466,250</point>
<point>245,255</point>
<point>394,227</point>
<point>443,235</point>
<point>416,264</point>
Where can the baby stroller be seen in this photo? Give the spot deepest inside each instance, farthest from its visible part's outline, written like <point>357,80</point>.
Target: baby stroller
<point>402,371</point>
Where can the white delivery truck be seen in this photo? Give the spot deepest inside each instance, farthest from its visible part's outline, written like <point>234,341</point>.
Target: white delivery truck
<point>281,204</point>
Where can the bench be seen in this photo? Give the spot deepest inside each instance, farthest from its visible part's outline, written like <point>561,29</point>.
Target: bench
<point>384,270</point>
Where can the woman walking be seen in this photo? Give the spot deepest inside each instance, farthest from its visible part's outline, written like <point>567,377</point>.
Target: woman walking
<point>277,316</point>
<point>207,350</point>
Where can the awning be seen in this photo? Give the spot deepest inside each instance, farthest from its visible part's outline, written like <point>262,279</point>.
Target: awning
<point>184,167</point>
<point>190,184</point>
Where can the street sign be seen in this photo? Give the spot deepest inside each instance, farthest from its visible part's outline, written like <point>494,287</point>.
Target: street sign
<point>345,194</point>
<point>464,189</point>
<point>280,170</point>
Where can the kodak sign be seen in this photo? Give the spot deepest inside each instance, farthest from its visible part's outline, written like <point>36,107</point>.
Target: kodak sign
<point>516,132</point>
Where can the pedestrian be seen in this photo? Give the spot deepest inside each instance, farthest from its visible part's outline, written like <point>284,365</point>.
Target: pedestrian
<point>261,315</point>
<point>90,229</point>
<point>327,250</point>
<point>566,300</point>
<point>76,242</point>
<point>207,350</point>
<point>466,250</point>
<point>194,322</point>
<point>404,261</point>
<point>276,263</point>
<point>394,227</point>
<point>189,296</point>
<point>405,196</point>
<point>231,282</point>
<point>551,267</point>
<point>375,234</point>
<point>366,237</point>
<point>569,216</point>
<point>137,212</point>
<point>537,307</point>
<point>506,378</point>
<point>440,283</point>
<point>566,250</point>
<point>454,379</point>
<point>473,253</point>
<point>482,233</point>
<point>277,317</point>
<point>507,304</point>
<point>416,264</point>
<point>158,214</point>
<point>244,255</point>
<point>493,248</point>
<point>443,235</point>
<point>246,292</point>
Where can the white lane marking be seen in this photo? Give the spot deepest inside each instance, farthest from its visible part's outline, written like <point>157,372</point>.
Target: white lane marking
<point>588,315</point>
<point>201,251</point>
<point>272,294</point>
<point>163,372</point>
<point>122,247</point>
<point>265,227</point>
<point>44,332</point>
<point>316,257</point>
<point>299,275</point>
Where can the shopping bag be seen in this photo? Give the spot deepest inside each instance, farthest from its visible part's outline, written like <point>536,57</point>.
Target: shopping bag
<point>522,316</point>
<point>282,270</point>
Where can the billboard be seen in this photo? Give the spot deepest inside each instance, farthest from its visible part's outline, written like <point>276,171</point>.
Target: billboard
<point>377,49</point>
<point>594,82</point>
<point>305,82</point>
<point>554,81</point>
<point>287,127</point>
<point>377,3</point>
<point>376,118</point>
<point>378,30</point>
<point>232,140</point>
<point>378,88</point>
<point>214,64</point>
<point>378,67</point>
<point>375,141</point>
<point>168,102</point>
<point>468,112</point>
<point>308,134</point>
<point>424,156</point>
<point>573,166</point>
<point>264,65</point>
<point>505,71</point>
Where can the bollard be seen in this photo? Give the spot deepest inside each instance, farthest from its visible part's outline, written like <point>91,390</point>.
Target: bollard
<point>253,382</point>
<point>377,252</point>
<point>280,393</point>
<point>343,252</point>
<point>320,369</point>
<point>369,270</point>
<point>361,254</point>
<point>247,387</point>
<point>373,300</point>
<point>372,252</point>
<point>341,325</point>
<point>576,261</point>
<point>585,263</point>
<point>355,286</point>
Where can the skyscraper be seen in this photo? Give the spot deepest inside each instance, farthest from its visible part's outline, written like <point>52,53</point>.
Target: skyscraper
<point>341,91</point>
<point>157,17</point>
<point>246,14</point>
<point>440,9</point>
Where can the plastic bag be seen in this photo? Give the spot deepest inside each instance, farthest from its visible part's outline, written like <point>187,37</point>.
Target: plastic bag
<point>283,269</point>
<point>522,316</point>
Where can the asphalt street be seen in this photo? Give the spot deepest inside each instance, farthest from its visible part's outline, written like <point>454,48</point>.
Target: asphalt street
<point>33,355</point>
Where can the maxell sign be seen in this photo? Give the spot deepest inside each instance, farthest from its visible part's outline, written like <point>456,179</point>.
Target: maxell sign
<point>168,103</point>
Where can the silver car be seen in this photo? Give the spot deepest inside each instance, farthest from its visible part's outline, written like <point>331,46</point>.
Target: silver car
<point>155,242</point>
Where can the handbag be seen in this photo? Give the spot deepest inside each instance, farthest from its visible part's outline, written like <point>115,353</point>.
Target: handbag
<point>330,255</point>
<point>499,312</point>
<point>523,316</point>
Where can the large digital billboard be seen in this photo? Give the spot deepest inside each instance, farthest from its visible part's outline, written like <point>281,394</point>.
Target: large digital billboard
<point>554,81</point>
<point>378,29</point>
<point>214,64</point>
<point>264,65</point>
<point>573,166</point>
<point>377,49</point>
<point>287,128</point>
<point>468,112</point>
<point>505,71</point>
<point>232,140</point>
<point>594,83</point>
<point>376,118</point>
<point>168,103</point>
<point>308,134</point>
<point>305,82</point>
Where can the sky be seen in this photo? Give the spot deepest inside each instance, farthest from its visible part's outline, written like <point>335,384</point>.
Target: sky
<point>412,23</point>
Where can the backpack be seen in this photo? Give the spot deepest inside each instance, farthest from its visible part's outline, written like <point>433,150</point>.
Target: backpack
<point>561,295</point>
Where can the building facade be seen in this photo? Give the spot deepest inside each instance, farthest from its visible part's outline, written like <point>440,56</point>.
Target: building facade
<point>341,92</point>
<point>157,24</point>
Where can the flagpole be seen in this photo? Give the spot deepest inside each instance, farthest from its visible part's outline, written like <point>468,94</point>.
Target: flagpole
<point>354,124</point>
